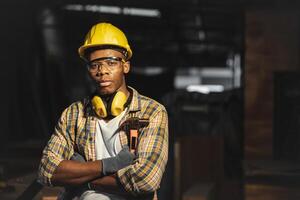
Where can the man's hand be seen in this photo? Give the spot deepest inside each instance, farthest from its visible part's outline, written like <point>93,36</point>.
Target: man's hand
<point>113,164</point>
<point>77,171</point>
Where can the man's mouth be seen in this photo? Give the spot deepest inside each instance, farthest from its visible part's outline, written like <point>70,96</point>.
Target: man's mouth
<point>105,83</point>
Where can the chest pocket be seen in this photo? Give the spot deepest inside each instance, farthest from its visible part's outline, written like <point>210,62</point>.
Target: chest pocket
<point>84,133</point>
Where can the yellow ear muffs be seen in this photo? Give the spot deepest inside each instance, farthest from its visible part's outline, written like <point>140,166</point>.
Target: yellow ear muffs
<point>99,107</point>
<point>115,106</point>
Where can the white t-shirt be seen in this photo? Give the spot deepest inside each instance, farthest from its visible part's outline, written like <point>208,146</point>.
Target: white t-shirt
<point>107,144</point>
<point>107,141</point>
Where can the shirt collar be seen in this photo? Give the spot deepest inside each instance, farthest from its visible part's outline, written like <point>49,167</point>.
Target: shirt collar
<point>135,104</point>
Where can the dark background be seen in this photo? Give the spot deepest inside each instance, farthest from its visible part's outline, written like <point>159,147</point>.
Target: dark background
<point>242,143</point>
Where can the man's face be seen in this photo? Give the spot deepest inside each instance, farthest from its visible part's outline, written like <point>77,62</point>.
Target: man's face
<point>108,74</point>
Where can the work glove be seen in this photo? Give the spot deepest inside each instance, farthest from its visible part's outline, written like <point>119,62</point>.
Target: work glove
<point>77,157</point>
<point>113,164</point>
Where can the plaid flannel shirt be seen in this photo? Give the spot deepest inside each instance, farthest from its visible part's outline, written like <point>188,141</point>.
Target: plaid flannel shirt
<point>75,131</point>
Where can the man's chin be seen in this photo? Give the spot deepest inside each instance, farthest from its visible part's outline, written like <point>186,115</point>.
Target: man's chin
<point>105,91</point>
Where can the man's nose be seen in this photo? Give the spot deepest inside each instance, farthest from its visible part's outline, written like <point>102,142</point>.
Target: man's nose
<point>103,69</point>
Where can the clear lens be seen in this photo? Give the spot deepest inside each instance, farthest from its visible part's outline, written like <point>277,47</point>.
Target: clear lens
<point>108,62</point>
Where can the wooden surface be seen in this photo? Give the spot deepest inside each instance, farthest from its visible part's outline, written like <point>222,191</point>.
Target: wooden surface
<point>202,191</point>
<point>272,44</point>
<point>272,180</point>
<point>198,159</point>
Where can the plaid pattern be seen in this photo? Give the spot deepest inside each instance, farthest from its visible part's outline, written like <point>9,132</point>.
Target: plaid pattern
<point>75,131</point>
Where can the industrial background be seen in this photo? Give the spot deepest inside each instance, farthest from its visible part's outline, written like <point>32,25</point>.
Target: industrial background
<point>226,70</point>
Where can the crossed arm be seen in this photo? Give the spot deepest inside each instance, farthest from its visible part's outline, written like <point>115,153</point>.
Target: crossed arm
<point>74,173</point>
<point>141,177</point>
<point>97,173</point>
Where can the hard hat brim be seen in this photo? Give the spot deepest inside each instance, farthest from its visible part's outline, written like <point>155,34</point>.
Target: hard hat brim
<point>83,48</point>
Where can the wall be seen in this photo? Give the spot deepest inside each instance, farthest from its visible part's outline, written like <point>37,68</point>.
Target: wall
<point>17,21</point>
<point>272,44</point>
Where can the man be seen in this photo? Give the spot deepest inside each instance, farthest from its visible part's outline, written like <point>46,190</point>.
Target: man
<point>89,153</point>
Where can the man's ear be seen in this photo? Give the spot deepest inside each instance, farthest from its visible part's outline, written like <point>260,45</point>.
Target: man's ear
<point>126,67</point>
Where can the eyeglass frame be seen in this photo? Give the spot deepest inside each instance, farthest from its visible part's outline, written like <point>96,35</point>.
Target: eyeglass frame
<point>112,58</point>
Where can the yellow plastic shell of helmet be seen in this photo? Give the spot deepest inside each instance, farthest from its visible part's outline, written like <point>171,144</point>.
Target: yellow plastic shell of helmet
<point>105,34</point>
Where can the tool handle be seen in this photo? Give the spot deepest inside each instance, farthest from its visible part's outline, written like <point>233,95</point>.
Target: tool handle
<point>133,134</point>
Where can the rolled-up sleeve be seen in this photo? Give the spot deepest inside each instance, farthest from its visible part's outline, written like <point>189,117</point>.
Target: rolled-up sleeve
<point>56,150</point>
<point>145,175</point>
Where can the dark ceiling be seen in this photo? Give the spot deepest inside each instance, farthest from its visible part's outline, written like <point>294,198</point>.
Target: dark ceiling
<point>198,33</point>
<point>186,33</point>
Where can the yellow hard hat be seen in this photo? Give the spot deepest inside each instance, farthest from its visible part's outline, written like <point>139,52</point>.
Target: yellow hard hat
<point>105,34</point>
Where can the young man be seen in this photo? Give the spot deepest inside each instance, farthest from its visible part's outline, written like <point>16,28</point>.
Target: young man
<point>113,144</point>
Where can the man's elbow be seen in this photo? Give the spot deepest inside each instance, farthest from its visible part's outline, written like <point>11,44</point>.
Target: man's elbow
<point>43,180</point>
<point>147,189</point>
<point>149,184</point>
<point>142,183</point>
<point>44,177</point>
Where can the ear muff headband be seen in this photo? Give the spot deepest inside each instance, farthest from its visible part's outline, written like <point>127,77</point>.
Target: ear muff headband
<point>115,107</point>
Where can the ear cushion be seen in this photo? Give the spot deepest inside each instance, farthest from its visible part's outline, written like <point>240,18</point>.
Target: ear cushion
<point>117,104</point>
<point>113,106</point>
<point>99,106</point>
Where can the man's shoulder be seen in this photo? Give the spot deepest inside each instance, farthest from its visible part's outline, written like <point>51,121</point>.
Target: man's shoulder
<point>150,106</point>
<point>148,100</point>
<point>77,107</point>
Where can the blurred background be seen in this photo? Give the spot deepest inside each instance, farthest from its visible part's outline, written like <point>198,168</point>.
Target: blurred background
<point>226,70</point>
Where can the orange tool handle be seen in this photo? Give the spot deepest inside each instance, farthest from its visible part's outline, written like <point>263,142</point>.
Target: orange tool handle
<point>133,140</point>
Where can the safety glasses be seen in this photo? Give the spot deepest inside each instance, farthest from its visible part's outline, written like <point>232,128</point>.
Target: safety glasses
<point>109,63</point>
